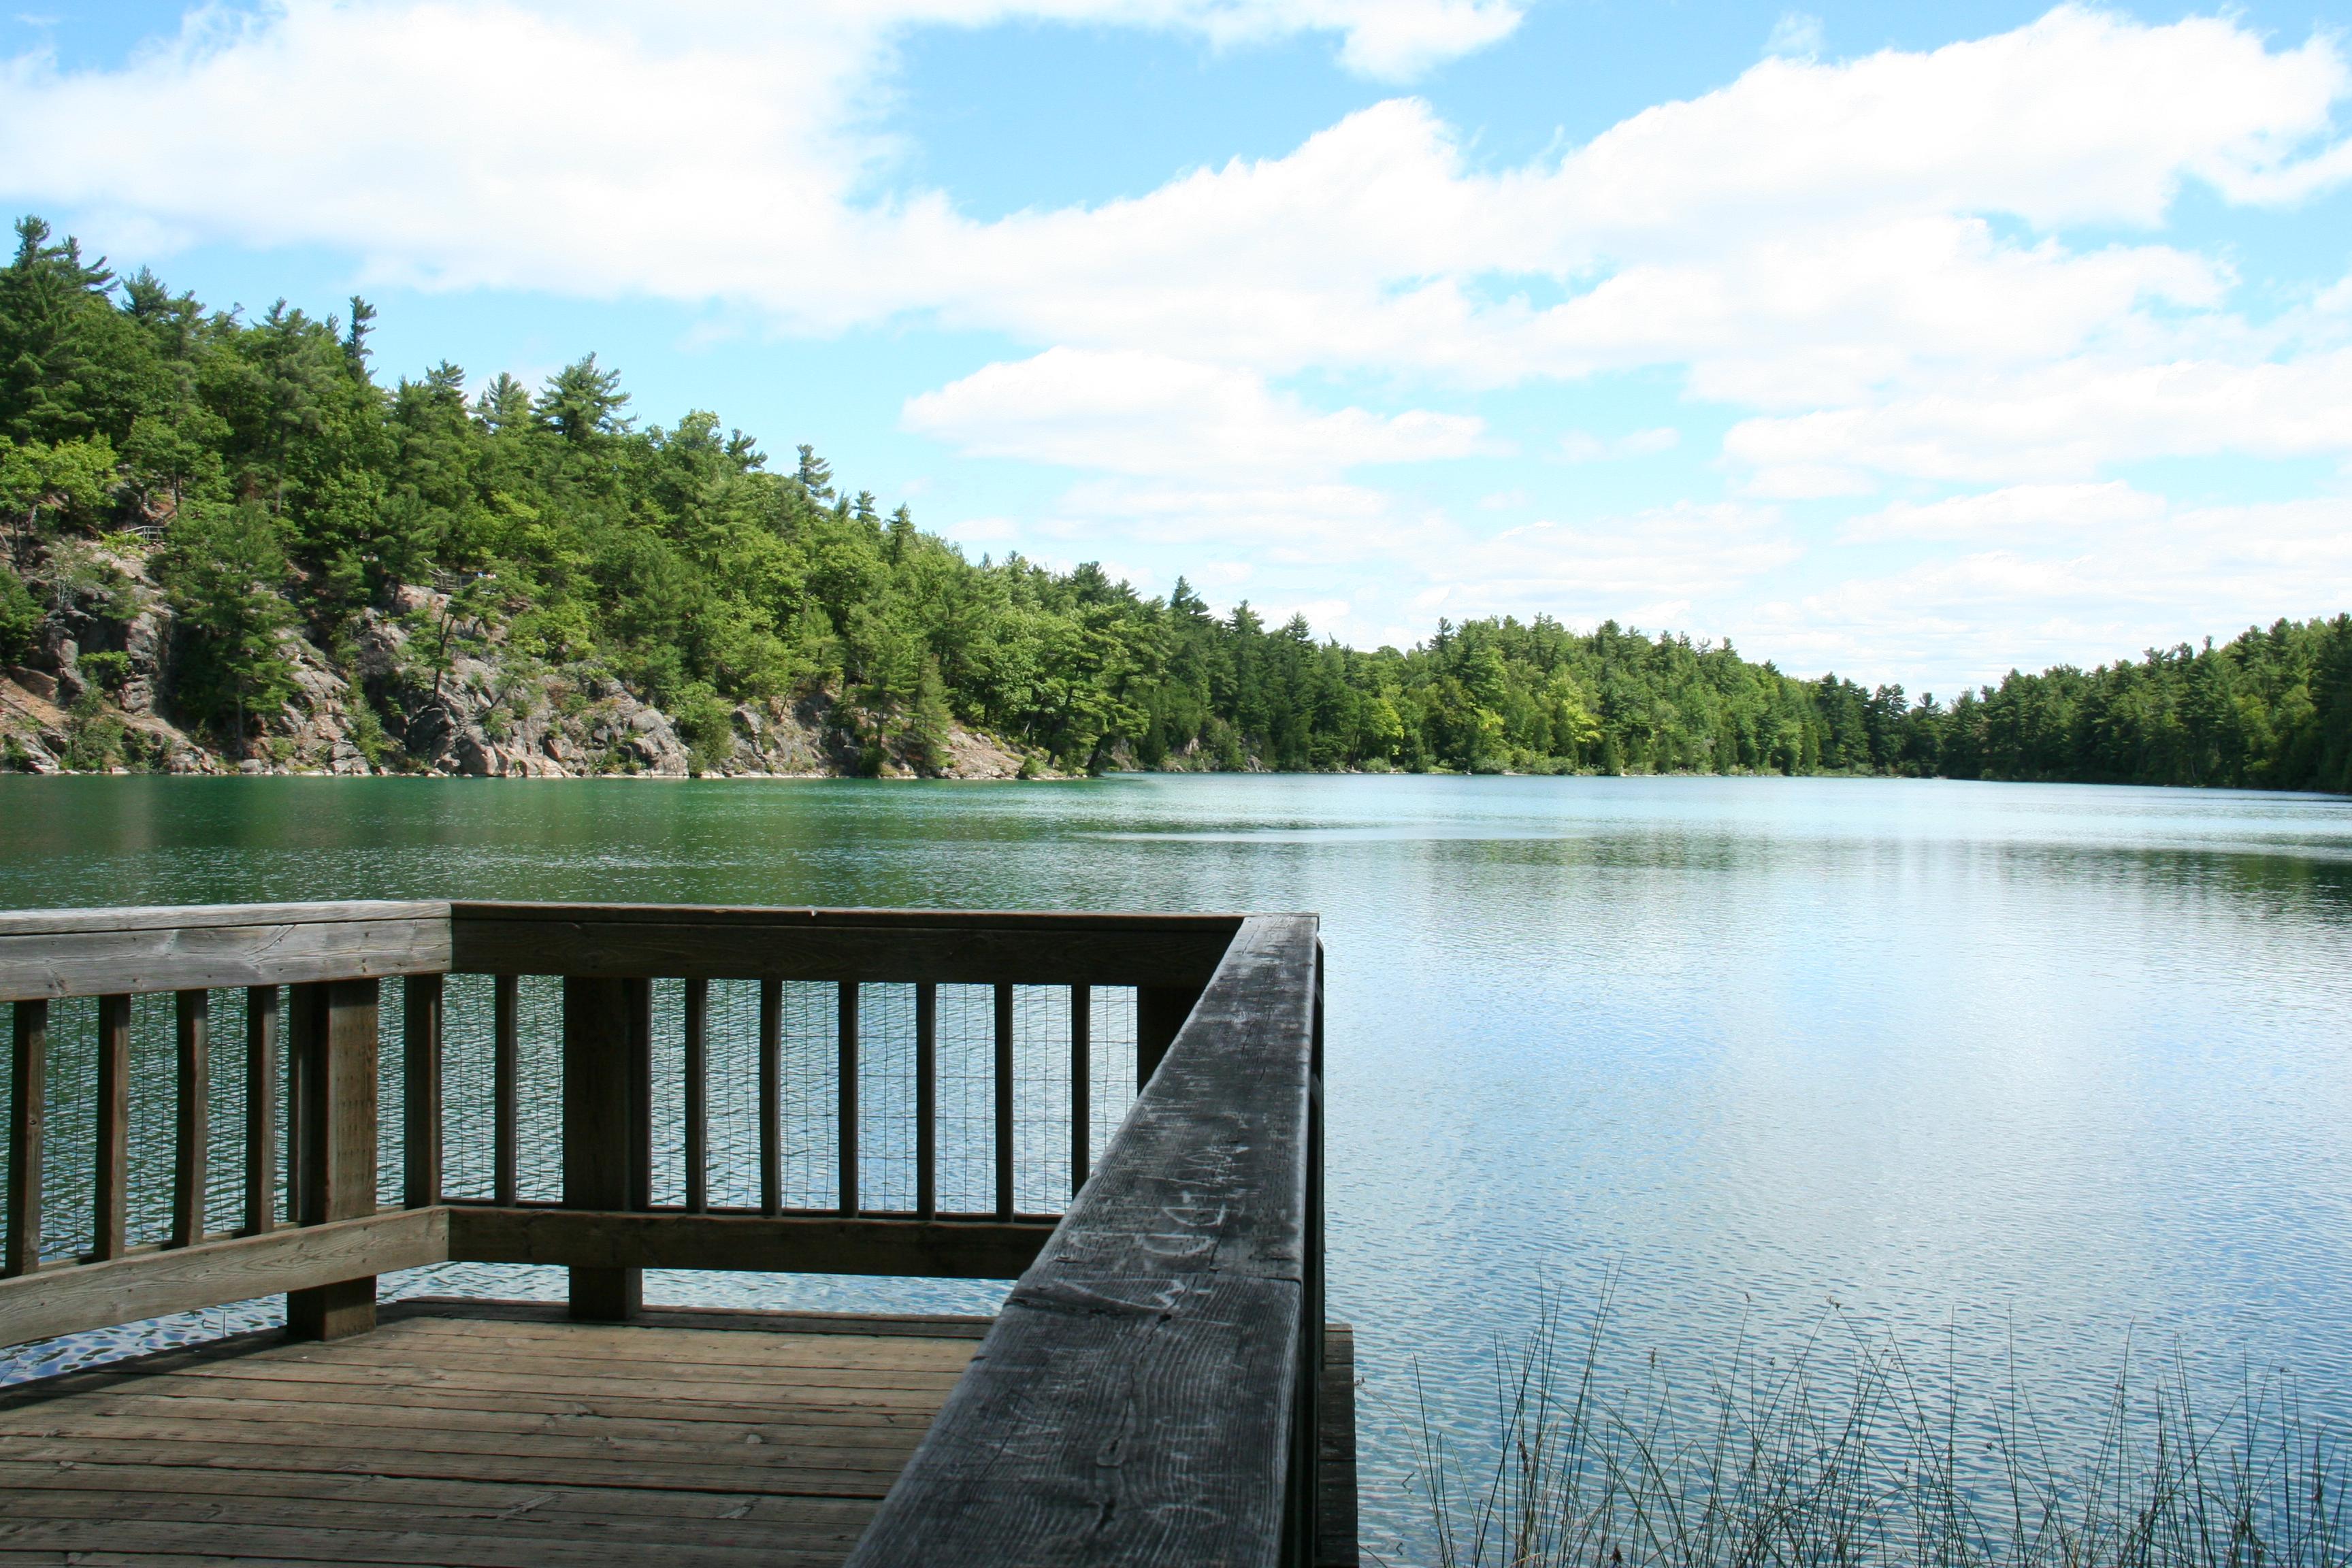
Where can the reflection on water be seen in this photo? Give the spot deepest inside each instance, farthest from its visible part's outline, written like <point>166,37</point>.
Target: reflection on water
<point>1992,1065</point>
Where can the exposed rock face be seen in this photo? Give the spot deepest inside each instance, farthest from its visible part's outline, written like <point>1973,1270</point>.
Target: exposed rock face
<point>412,688</point>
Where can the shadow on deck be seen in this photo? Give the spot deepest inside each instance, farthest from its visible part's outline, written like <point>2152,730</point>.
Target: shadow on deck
<point>502,1435</point>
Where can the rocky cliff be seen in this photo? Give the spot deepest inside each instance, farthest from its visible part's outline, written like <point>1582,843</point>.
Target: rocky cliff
<point>395,693</point>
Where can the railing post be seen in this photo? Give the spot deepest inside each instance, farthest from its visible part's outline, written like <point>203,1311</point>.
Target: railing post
<point>260,1109</point>
<point>334,1042</point>
<point>772,1108</point>
<point>604,1022</point>
<point>1003,1085</point>
<point>1160,1012</point>
<point>1081,1107</point>
<point>422,1001</point>
<point>846,1033</point>
<point>192,1141</point>
<point>506,1087</point>
<point>27,1105</point>
<point>1305,1504</point>
<point>698,1095</point>
<point>926,1102</point>
<point>111,1155</point>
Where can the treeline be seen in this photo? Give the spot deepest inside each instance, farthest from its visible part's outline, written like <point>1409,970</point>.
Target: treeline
<point>275,488</point>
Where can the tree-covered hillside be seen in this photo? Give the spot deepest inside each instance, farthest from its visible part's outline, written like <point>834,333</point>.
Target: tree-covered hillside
<point>229,543</point>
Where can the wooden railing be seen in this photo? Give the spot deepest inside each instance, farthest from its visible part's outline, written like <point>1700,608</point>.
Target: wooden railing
<point>1146,1394</point>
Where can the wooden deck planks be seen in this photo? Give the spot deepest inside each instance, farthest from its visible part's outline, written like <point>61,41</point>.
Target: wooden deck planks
<point>507,1438</point>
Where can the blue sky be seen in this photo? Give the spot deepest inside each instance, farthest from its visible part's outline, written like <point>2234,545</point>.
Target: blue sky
<point>1912,342</point>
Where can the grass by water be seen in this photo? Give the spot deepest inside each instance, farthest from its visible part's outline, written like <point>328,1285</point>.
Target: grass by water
<point>1846,1454</point>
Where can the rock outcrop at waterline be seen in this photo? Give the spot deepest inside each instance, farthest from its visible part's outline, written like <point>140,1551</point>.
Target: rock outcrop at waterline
<point>394,696</point>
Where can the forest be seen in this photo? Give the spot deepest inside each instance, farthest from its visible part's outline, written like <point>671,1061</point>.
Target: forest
<point>252,488</point>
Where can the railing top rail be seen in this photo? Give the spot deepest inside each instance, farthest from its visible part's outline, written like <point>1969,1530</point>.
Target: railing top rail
<point>52,953</point>
<point>954,946</point>
<point>789,915</point>
<point>163,916</point>
<point>49,953</point>
<point>1134,1402</point>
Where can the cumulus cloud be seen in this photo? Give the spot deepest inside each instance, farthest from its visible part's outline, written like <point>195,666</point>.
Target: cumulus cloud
<point>2123,571</point>
<point>1583,446</point>
<point>2069,420</point>
<point>2034,511</point>
<point>1148,414</point>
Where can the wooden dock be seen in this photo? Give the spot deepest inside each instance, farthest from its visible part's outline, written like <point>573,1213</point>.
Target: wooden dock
<point>503,1434</point>
<point>484,1434</point>
<point>1159,1386</point>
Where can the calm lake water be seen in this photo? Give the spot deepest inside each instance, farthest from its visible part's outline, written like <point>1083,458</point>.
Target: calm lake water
<point>1992,1068</point>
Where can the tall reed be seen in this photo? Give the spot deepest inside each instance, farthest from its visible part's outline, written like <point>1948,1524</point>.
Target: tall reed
<point>1842,1454</point>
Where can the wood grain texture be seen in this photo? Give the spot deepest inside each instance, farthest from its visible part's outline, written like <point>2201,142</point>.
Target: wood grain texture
<point>84,952</point>
<point>943,1249</point>
<point>66,1298</point>
<point>972,947</point>
<point>259,1450</point>
<point>1137,1399</point>
<point>28,1077</point>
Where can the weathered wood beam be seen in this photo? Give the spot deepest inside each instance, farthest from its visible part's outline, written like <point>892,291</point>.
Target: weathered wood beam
<point>1137,1399</point>
<point>67,1298</point>
<point>85,952</point>
<point>795,1244</point>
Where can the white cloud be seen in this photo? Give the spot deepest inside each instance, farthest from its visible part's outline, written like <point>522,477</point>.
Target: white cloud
<point>2142,574</point>
<point>2036,511</point>
<point>1148,413</point>
<point>1795,34</point>
<point>2068,420</point>
<point>1583,446</point>
<point>986,531</point>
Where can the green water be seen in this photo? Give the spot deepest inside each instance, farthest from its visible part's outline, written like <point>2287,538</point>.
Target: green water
<point>1997,1067</point>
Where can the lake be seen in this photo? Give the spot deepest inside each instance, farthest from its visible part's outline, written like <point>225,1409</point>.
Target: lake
<point>1977,1071</point>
